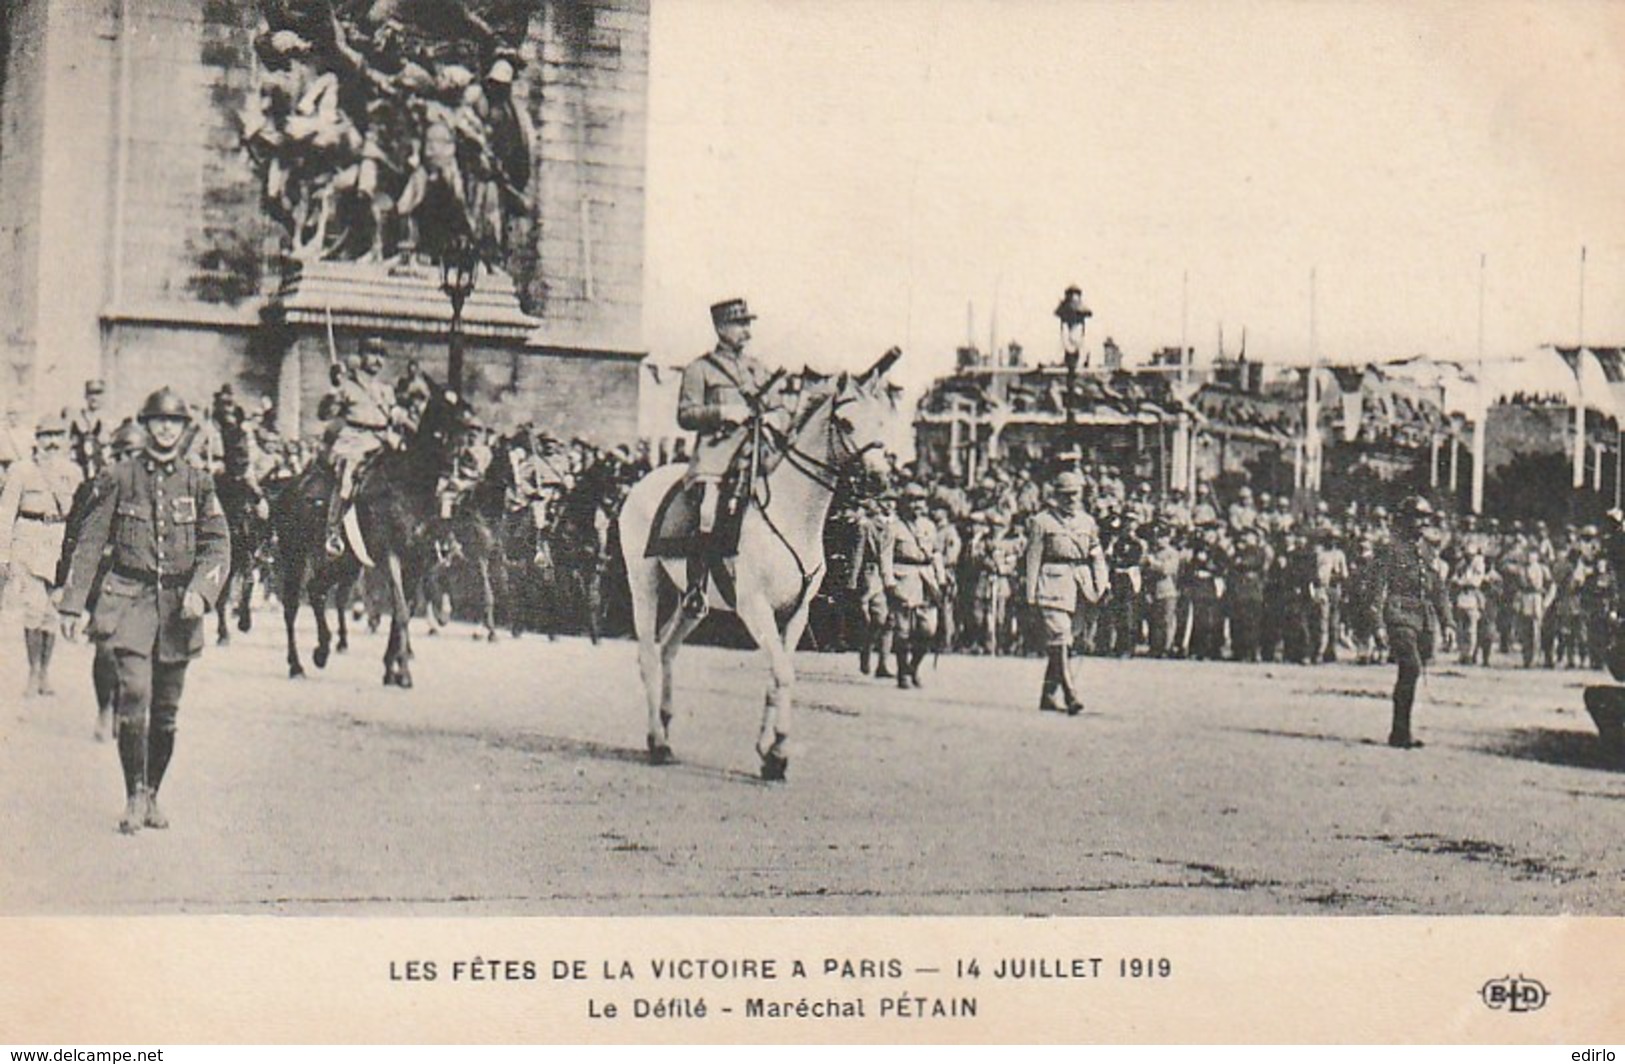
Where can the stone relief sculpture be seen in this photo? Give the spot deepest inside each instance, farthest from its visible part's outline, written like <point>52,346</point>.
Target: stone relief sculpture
<point>388,128</point>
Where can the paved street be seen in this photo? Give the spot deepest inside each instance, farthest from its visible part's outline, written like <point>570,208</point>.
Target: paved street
<point>512,781</point>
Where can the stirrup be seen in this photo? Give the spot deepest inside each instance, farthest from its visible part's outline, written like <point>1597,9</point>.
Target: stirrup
<point>694,604</point>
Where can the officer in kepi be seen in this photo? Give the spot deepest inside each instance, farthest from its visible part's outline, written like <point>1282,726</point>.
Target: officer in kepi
<point>1065,563</point>
<point>715,402</point>
<point>170,554</point>
<point>364,415</point>
<point>1411,599</point>
<point>34,508</point>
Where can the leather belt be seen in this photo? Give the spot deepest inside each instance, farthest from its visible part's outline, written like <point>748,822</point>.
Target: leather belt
<point>141,576</point>
<point>44,519</point>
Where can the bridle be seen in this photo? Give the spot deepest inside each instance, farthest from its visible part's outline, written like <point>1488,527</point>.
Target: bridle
<point>843,449</point>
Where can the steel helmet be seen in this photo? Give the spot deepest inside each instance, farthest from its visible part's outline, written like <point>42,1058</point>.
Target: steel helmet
<point>165,402</point>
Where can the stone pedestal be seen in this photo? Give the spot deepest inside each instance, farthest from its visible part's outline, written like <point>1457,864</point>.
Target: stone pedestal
<point>512,374</point>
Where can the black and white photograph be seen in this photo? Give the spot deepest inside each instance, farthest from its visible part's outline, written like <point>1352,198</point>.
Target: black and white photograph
<point>731,458</point>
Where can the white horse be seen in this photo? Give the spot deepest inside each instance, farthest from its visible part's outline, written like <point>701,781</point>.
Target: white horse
<point>780,560</point>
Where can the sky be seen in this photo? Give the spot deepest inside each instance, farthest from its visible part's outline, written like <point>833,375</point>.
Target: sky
<point>1335,178</point>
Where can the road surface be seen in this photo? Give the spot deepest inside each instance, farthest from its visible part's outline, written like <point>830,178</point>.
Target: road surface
<point>512,781</point>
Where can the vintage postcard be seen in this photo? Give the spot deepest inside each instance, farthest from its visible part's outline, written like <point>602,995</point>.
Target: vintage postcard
<point>742,521</point>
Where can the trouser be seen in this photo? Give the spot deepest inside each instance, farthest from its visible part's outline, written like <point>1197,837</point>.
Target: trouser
<point>1328,621</point>
<point>1164,619</point>
<point>704,494</point>
<point>1468,619</point>
<point>147,702</point>
<point>1407,646</point>
<point>1245,614</point>
<point>1530,637</point>
<point>1123,619</point>
<point>1207,629</point>
<point>874,628</point>
<point>913,630</point>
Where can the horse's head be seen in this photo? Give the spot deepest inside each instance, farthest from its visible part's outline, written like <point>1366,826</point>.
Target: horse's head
<point>446,417</point>
<point>863,411</point>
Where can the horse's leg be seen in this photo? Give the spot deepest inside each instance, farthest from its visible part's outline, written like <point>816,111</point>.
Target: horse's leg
<point>399,653</point>
<point>345,596</point>
<point>292,580</point>
<point>643,579</point>
<point>245,597</point>
<point>317,591</point>
<point>758,617</point>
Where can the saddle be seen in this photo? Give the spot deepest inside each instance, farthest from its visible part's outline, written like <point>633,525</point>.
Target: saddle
<point>677,520</point>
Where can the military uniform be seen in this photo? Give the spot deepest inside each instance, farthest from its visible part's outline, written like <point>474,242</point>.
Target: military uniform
<point>868,585</point>
<point>1065,566</point>
<point>169,540</point>
<point>34,508</point>
<point>1413,603</point>
<point>89,431</point>
<point>714,401</point>
<point>911,569</point>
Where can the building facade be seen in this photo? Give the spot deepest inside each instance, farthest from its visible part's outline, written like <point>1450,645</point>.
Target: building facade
<point>136,249</point>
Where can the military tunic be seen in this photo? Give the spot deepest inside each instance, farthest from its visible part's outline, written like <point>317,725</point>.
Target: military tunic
<point>867,577</point>
<point>1065,562</point>
<point>911,569</point>
<point>34,509</point>
<point>1411,599</point>
<point>710,383</point>
<point>169,537</point>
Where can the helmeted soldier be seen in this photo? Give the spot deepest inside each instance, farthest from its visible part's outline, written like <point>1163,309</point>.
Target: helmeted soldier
<point>911,569</point>
<point>1413,603</point>
<point>715,402</point>
<point>364,409</point>
<point>1065,564</point>
<point>170,555</point>
<point>34,508</point>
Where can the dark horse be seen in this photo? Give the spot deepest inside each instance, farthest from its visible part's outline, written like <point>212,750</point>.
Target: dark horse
<point>395,502</point>
<point>579,547</point>
<point>248,519</point>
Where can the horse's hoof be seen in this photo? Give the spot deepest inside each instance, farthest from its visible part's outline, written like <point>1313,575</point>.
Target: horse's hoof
<point>296,672</point>
<point>660,753</point>
<point>245,624</point>
<point>774,767</point>
<point>389,679</point>
<point>319,657</point>
<point>491,636</point>
<point>222,640</point>
<point>404,681</point>
<point>343,645</point>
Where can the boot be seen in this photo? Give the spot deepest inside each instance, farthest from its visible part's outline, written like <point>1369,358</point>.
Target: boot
<point>881,671</point>
<point>914,664</point>
<point>1399,736</point>
<point>135,813</point>
<point>901,646</point>
<point>31,642</point>
<point>1047,702</point>
<point>1074,704</point>
<point>47,643</point>
<point>154,817</point>
<point>699,568</point>
<point>863,656</point>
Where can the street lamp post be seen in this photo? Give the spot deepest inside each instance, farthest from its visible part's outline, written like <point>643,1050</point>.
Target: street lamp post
<point>458,266</point>
<point>1074,318</point>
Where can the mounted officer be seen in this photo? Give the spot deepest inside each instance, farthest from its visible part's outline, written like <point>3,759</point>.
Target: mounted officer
<point>34,508</point>
<point>364,412</point>
<point>1413,603</point>
<point>715,401</point>
<point>1065,561</point>
<point>171,552</point>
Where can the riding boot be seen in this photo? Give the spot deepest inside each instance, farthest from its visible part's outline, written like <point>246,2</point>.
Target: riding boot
<point>1052,684</point>
<point>902,648</point>
<point>1074,704</point>
<point>885,648</point>
<point>920,651</point>
<point>31,642</point>
<point>47,643</point>
<point>699,569</point>
<point>863,655</point>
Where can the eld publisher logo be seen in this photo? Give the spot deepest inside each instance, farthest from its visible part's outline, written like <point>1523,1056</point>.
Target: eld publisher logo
<point>1519,994</point>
